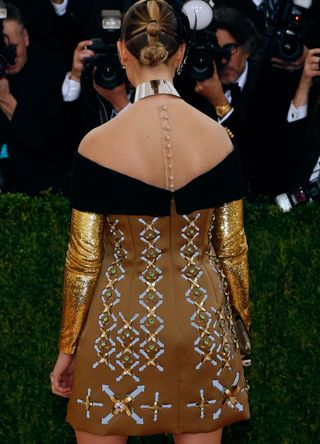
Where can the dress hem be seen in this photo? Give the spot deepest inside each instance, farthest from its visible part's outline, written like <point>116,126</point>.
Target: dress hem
<point>222,424</point>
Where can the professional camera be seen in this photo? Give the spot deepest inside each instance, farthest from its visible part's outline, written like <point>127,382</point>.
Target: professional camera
<point>203,47</point>
<point>105,65</point>
<point>285,33</point>
<point>308,193</point>
<point>7,50</point>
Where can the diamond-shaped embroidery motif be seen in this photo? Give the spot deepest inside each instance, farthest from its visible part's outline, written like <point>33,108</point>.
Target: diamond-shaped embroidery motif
<point>110,296</point>
<point>151,298</point>
<point>196,295</point>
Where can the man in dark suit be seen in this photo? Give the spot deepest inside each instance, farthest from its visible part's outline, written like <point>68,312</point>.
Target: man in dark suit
<point>303,130</point>
<point>91,102</point>
<point>256,113</point>
<point>31,121</point>
<point>226,95</point>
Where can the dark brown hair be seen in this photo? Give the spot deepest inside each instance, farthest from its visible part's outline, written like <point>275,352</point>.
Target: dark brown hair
<point>150,31</point>
<point>14,13</point>
<point>240,27</point>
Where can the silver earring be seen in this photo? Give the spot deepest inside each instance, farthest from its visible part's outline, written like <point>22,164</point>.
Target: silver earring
<point>181,66</point>
<point>179,69</point>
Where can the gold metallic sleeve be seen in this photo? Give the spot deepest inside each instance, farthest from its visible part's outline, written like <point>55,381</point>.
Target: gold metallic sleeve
<point>83,263</point>
<point>230,244</point>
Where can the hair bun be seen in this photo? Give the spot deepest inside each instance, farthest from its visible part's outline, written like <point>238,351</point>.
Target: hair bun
<point>150,30</point>
<point>153,28</point>
<point>154,54</point>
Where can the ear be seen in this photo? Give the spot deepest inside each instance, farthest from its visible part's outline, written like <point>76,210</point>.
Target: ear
<point>26,37</point>
<point>122,52</point>
<point>179,55</point>
<point>245,53</point>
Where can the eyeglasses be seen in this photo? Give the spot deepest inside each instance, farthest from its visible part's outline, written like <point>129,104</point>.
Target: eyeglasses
<point>228,50</point>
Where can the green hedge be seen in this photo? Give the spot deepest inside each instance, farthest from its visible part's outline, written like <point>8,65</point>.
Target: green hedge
<point>285,292</point>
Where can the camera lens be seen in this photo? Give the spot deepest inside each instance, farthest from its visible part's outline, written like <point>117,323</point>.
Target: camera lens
<point>109,75</point>
<point>199,65</point>
<point>202,67</point>
<point>290,48</point>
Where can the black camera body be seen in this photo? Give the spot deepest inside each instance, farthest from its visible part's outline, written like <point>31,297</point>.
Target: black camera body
<point>8,51</point>
<point>203,51</point>
<point>204,48</point>
<point>285,34</point>
<point>105,66</point>
<point>308,193</point>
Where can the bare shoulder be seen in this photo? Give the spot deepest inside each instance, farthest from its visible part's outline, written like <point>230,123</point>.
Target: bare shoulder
<point>207,122</point>
<point>87,143</point>
<point>207,129</point>
<point>97,138</point>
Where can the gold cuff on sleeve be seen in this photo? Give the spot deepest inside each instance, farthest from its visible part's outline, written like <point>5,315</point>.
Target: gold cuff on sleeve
<point>83,263</point>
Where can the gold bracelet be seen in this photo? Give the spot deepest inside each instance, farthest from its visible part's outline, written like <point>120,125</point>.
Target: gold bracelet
<point>222,110</point>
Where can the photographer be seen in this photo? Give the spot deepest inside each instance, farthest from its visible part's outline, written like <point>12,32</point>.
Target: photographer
<point>94,104</point>
<point>31,114</point>
<point>226,95</point>
<point>304,138</point>
<point>238,73</point>
<point>270,15</point>
<point>96,83</point>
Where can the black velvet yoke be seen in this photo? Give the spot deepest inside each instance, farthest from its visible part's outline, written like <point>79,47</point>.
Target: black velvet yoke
<point>98,189</point>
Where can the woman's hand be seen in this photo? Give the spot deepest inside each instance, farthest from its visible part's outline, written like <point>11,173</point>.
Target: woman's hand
<point>62,375</point>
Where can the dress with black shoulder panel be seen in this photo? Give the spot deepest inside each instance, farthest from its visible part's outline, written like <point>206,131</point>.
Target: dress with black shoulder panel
<point>150,278</point>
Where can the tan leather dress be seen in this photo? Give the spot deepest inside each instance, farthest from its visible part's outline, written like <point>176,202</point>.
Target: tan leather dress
<point>157,349</point>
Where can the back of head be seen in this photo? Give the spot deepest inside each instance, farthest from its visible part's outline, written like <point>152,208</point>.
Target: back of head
<point>151,31</point>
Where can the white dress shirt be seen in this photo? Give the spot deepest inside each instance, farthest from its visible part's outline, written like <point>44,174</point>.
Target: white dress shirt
<point>257,2</point>
<point>295,114</point>
<point>60,9</point>
<point>241,82</point>
<point>71,89</point>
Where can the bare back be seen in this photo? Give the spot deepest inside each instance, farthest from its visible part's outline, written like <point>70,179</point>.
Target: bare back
<point>160,140</point>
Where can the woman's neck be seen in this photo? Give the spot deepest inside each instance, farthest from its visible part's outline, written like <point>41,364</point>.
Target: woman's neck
<point>147,74</point>
<point>155,87</point>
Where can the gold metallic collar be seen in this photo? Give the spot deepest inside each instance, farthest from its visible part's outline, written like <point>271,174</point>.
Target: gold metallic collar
<point>155,87</point>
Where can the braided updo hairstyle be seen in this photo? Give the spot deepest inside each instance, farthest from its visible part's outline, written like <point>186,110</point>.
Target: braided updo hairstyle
<point>150,31</point>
